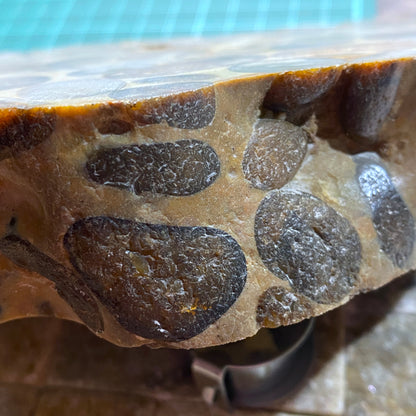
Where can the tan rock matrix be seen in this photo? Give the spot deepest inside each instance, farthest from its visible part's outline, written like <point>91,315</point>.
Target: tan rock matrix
<point>186,194</point>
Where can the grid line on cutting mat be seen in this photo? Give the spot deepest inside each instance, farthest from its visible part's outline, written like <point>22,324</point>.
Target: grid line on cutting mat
<point>28,24</point>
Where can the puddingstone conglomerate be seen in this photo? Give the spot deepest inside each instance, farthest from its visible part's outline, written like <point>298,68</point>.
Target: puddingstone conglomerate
<point>172,209</point>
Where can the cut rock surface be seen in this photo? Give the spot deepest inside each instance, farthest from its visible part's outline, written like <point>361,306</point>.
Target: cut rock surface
<point>186,194</point>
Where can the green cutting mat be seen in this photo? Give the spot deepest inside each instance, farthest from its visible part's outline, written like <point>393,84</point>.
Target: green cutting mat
<point>28,24</point>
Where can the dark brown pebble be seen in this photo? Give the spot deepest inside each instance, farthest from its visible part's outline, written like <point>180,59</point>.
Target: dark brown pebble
<point>291,90</point>
<point>160,282</point>
<point>392,219</point>
<point>370,93</point>
<point>305,241</point>
<point>274,153</point>
<point>73,290</point>
<point>278,306</point>
<point>22,130</point>
<point>296,93</point>
<point>181,168</point>
<point>188,110</point>
<point>113,119</point>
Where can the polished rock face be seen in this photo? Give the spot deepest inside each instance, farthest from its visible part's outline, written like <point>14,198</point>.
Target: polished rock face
<point>187,194</point>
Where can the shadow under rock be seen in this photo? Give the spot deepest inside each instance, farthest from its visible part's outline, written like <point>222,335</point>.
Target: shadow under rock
<point>80,359</point>
<point>367,310</point>
<point>334,331</point>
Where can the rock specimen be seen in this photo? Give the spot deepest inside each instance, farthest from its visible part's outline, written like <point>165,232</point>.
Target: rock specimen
<point>187,194</point>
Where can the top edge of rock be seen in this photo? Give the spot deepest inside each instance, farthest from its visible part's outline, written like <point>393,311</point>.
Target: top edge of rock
<point>132,71</point>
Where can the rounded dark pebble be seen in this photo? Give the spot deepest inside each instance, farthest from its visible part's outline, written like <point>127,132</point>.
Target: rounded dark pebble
<point>392,219</point>
<point>369,97</point>
<point>308,243</point>
<point>160,282</point>
<point>22,130</point>
<point>274,153</point>
<point>187,110</point>
<point>277,306</point>
<point>300,94</point>
<point>113,119</point>
<point>292,90</point>
<point>181,168</point>
<point>69,286</point>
